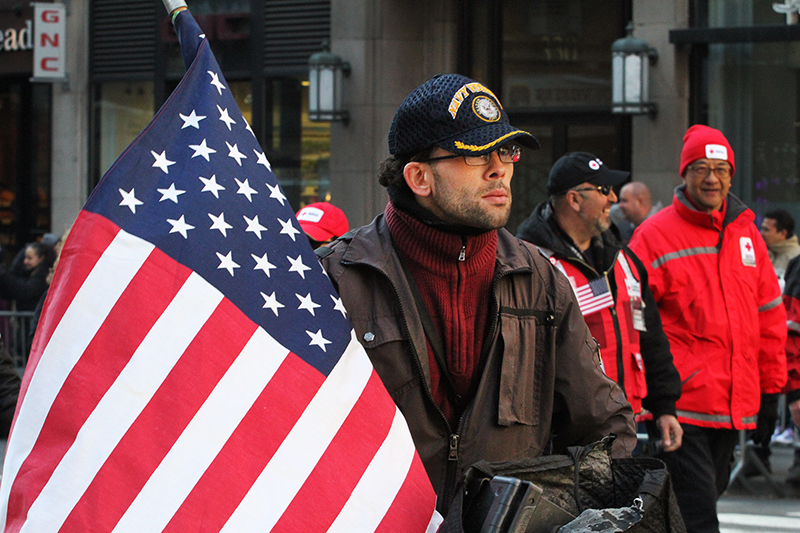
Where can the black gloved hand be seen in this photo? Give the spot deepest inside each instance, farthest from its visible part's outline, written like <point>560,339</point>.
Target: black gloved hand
<point>767,418</point>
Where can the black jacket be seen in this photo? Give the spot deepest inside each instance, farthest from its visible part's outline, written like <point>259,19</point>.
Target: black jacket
<point>663,380</point>
<point>25,288</point>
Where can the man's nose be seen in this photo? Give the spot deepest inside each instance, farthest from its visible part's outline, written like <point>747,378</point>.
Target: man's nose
<point>497,169</point>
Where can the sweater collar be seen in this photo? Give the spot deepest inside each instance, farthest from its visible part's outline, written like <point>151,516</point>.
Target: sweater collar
<point>543,230</point>
<point>437,248</point>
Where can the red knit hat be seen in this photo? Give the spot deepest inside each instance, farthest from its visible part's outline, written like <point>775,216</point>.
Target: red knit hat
<point>702,142</point>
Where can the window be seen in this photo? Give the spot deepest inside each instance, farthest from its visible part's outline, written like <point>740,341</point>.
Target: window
<point>749,91</point>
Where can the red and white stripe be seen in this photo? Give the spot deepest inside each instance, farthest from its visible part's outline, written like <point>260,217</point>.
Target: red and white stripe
<point>151,403</point>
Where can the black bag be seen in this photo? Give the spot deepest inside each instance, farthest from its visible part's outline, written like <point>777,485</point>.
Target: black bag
<point>549,494</point>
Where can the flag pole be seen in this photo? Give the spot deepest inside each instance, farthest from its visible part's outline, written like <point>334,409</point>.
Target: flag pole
<point>174,6</point>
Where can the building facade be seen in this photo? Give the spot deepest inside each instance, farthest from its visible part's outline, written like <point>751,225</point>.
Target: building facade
<point>731,64</point>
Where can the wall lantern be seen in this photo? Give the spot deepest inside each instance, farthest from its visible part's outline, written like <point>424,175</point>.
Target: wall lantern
<point>630,75</point>
<point>325,99</point>
<point>791,8</point>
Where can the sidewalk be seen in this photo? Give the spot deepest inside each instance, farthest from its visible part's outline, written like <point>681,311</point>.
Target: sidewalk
<point>780,460</point>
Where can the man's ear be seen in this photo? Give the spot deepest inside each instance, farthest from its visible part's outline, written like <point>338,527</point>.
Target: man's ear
<point>572,200</point>
<point>418,177</point>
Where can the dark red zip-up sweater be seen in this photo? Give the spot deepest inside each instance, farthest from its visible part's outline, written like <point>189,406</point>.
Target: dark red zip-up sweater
<point>454,275</point>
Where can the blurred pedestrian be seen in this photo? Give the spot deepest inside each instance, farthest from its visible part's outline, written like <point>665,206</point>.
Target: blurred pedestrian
<point>58,245</point>
<point>634,207</point>
<point>25,285</point>
<point>322,222</point>
<point>720,305</point>
<point>574,231</point>
<point>777,228</point>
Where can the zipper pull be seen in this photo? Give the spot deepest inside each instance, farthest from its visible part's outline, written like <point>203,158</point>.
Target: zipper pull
<point>453,455</point>
<point>463,255</point>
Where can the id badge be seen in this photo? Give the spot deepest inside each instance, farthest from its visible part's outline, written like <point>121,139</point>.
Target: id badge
<point>637,305</point>
<point>634,288</point>
<point>637,313</point>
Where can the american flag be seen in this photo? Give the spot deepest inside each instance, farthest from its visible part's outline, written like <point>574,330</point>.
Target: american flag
<point>194,369</point>
<point>594,296</point>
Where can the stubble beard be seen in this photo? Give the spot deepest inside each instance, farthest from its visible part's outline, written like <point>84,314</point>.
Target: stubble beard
<point>465,208</point>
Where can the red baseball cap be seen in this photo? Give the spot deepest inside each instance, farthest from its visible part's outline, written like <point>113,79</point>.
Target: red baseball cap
<point>322,221</point>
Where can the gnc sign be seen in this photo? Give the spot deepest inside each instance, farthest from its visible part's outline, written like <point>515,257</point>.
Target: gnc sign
<point>49,50</point>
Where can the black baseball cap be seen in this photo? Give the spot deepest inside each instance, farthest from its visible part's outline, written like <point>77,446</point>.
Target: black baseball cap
<point>575,168</point>
<point>455,113</point>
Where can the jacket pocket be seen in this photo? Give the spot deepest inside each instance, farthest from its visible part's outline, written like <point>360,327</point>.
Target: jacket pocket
<point>639,383</point>
<point>384,342</point>
<point>524,341</point>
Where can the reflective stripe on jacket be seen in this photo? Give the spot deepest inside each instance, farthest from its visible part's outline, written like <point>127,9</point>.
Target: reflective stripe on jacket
<point>721,308</point>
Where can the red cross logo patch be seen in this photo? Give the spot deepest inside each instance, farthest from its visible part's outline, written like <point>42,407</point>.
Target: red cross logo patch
<point>748,252</point>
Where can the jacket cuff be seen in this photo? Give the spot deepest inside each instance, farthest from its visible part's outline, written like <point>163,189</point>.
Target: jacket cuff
<point>664,408</point>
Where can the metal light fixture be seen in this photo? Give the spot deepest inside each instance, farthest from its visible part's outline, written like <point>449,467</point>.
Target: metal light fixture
<point>630,75</point>
<point>790,8</point>
<point>325,99</point>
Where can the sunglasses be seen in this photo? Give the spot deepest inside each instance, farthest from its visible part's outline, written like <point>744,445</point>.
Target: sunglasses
<point>605,190</point>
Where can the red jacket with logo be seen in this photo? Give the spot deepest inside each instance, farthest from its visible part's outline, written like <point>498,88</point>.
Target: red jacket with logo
<point>608,292</point>
<point>607,324</point>
<point>721,308</point>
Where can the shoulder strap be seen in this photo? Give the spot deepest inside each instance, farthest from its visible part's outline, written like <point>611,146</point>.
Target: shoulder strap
<point>324,251</point>
<point>547,316</point>
<point>432,335</point>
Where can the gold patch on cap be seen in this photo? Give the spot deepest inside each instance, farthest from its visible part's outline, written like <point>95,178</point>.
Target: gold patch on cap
<point>486,109</point>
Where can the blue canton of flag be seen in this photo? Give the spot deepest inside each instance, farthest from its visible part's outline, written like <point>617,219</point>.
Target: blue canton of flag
<point>194,369</point>
<point>198,186</point>
<point>594,296</point>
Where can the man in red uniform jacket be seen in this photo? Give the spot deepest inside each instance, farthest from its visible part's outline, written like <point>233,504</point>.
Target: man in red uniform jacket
<point>573,229</point>
<point>721,308</point>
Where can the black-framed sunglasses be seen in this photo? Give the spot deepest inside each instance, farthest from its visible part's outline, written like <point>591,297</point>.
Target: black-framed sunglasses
<point>605,190</point>
<point>507,154</point>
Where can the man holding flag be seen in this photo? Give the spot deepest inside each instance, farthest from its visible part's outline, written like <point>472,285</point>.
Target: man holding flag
<point>193,369</point>
<point>477,337</point>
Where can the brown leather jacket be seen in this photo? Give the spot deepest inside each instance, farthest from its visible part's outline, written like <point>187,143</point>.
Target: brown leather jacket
<point>541,378</point>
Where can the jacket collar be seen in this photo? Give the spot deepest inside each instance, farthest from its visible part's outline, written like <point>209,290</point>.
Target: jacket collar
<point>372,245</point>
<point>783,246</point>
<point>732,209</point>
<point>542,229</point>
